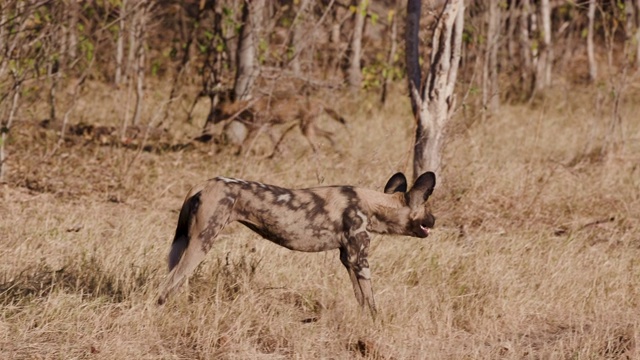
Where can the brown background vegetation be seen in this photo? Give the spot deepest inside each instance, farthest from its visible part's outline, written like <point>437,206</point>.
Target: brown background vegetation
<point>536,247</point>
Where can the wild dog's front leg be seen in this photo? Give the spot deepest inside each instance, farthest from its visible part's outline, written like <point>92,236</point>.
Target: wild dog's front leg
<point>354,257</point>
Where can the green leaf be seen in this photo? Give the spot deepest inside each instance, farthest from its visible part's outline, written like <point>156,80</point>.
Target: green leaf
<point>155,67</point>
<point>374,18</point>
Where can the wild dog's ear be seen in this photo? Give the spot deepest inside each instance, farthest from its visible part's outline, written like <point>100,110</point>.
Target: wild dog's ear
<point>422,189</point>
<point>397,183</point>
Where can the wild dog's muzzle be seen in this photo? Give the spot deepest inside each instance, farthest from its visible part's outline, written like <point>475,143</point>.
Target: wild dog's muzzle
<point>424,226</point>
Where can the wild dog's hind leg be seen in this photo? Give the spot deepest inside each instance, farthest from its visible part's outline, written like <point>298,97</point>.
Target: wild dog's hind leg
<point>354,258</point>
<point>198,225</point>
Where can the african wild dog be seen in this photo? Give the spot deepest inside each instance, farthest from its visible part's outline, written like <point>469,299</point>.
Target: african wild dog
<point>310,220</point>
<point>289,110</point>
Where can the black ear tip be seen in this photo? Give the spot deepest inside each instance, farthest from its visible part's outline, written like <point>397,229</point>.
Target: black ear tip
<point>397,183</point>
<point>428,176</point>
<point>399,177</point>
<point>432,175</point>
<point>429,182</point>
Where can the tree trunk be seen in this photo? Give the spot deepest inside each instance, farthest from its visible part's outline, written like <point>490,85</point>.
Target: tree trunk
<point>638,34</point>
<point>3,33</point>
<point>543,79</point>
<point>296,36</point>
<point>526,68</point>
<point>4,130</point>
<point>355,73</point>
<point>133,46</point>
<point>393,48</point>
<point>511,30</point>
<point>140,30</point>
<point>335,50</point>
<point>593,66</point>
<point>630,16</point>
<point>436,100</point>
<point>211,72</point>
<point>490,93</point>
<point>73,30</point>
<point>412,53</point>
<point>246,69</point>
<point>120,43</point>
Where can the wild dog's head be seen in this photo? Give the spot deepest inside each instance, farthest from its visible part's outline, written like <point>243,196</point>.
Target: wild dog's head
<point>420,217</point>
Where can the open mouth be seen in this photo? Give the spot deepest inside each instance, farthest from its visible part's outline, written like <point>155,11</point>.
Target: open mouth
<point>425,230</point>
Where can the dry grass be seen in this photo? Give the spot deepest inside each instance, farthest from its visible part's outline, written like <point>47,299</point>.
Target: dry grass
<point>535,255</point>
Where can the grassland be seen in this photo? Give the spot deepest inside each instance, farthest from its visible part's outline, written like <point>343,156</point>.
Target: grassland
<point>536,253</point>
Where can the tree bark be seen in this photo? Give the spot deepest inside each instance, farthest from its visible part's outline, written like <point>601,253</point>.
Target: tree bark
<point>355,73</point>
<point>490,93</point>
<point>296,36</point>
<point>436,100</point>
<point>593,66</point>
<point>73,30</point>
<point>526,68</point>
<point>545,60</point>
<point>246,69</point>
<point>132,15</point>
<point>120,43</point>
<point>393,48</point>
<point>511,30</point>
<point>4,130</point>
<point>630,17</point>
<point>412,53</point>
<point>638,34</point>
<point>140,30</point>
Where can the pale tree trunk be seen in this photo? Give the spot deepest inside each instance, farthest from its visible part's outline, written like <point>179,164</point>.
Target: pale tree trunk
<point>629,31</point>
<point>56,65</point>
<point>296,36</point>
<point>3,34</point>
<point>12,48</point>
<point>246,69</point>
<point>490,89</point>
<point>73,30</point>
<point>632,31</point>
<point>533,20</point>
<point>355,73</point>
<point>4,131</point>
<point>334,40</point>
<point>638,34</point>
<point>511,30</point>
<point>61,34</point>
<point>120,43</point>
<point>435,101</point>
<point>4,128</point>
<point>545,60</point>
<point>136,60</point>
<point>132,13</point>
<point>393,48</point>
<point>593,66</point>
<point>139,65</point>
<point>630,16</point>
<point>526,68</point>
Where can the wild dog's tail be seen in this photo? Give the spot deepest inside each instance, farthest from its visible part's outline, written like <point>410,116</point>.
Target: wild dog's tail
<point>195,235</point>
<point>180,244</point>
<point>181,240</point>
